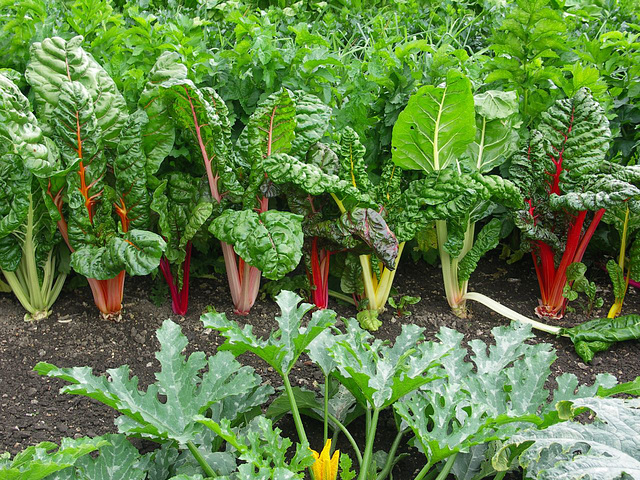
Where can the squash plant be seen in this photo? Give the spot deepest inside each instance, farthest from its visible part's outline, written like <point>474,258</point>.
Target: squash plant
<point>101,170</point>
<point>30,258</point>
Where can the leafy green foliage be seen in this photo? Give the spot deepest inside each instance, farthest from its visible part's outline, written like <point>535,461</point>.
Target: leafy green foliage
<point>262,448</point>
<point>436,127</point>
<point>188,392</point>
<point>526,46</point>
<point>599,334</point>
<point>606,448</point>
<point>54,63</point>
<point>402,304</point>
<point>578,283</point>
<point>270,241</point>
<point>28,239</point>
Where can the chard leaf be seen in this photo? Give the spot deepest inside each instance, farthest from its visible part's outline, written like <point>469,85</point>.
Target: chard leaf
<point>46,458</point>
<point>203,113</point>
<point>607,448</point>
<point>270,131</point>
<point>376,374</point>
<point>322,156</point>
<point>351,278</point>
<point>617,279</point>
<point>55,63</point>
<point>181,212</point>
<point>438,196</point>
<point>487,240</point>
<point>130,170</point>
<point>19,130</point>
<point>271,241</point>
<point>283,168</point>
<point>159,132</point>
<point>436,127</point>
<point>353,169</point>
<point>496,104</point>
<point>312,122</point>
<point>599,334</point>
<point>369,225</point>
<point>634,262</point>
<point>285,345</point>
<point>496,130</point>
<point>188,392</point>
<point>138,252</point>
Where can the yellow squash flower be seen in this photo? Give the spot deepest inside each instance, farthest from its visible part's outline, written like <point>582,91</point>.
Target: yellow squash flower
<point>325,468</point>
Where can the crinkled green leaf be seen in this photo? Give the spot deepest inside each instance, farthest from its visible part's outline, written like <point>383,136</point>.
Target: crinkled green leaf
<point>285,345</point>
<point>371,227</point>
<point>138,252</point>
<point>159,131</point>
<point>55,63</point>
<point>634,262</point>
<point>46,458</point>
<point>271,241</point>
<point>188,391</point>
<point>617,279</point>
<point>201,112</point>
<point>312,122</point>
<point>487,240</point>
<point>181,212</point>
<point>353,169</point>
<point>322,156</point>
<point>19,131</point>
<point>130,170</point>
<point>283,168</point>
<point>599,334</point>
<point>270,131</point>
<point>607,448</point>
<point>436,126</point>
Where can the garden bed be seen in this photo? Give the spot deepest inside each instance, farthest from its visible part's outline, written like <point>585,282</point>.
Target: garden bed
<point>31,410</point>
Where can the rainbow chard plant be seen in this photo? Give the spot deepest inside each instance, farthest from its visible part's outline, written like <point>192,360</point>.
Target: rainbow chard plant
<point>33,265</point>
<point>182,211</point>
<point>455,145</point>
<point>568,186</point>
<point>314,190</point>
<point>95,136</point>
<point>254,240</point>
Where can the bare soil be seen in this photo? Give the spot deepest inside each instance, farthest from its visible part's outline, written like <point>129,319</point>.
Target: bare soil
<point>32,410</point>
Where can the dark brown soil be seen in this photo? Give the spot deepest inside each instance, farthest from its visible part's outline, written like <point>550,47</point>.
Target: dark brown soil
<point>31,410</point>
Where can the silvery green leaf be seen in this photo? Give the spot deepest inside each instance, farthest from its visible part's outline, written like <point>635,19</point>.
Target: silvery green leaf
<point>608,448</point>
<point>188,388</point>
<point>285,345</point>
<point>118,461</point>
<point>377,375</point>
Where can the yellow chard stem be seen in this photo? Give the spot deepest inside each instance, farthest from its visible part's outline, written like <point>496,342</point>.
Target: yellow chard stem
<point>616,308</point>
